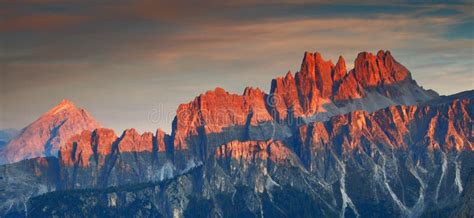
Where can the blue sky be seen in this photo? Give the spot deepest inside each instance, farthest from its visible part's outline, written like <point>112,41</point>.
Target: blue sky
<point>125,61</point>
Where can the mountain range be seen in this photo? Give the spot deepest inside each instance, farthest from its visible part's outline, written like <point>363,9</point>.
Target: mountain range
<point>325,141</point>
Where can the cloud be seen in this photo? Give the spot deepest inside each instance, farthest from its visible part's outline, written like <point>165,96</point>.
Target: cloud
<point>251,40</point>
<point>41,22</point>
<point>119,56</point>
<point>257,44</point>
<point>21,15</point>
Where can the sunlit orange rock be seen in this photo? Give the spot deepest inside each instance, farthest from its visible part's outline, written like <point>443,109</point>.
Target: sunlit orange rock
<point>308,92</point>
<point>81,147</point>
<point>446,126</point>
<point>318,87</point>
<point>349,89</point>
<point>161,139</point>
<point>49,133</point>
<point>215,110</point>
<point>284,97</point>
<point>373,70</point>
<point>339,70</point>
<point>253,150</point>
<point>102,140</point>
<point>132,141</point>
<point>78,150</point>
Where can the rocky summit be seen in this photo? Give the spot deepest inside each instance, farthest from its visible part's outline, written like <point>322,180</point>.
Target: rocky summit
<point>46,135</point>
<point>324,142</point>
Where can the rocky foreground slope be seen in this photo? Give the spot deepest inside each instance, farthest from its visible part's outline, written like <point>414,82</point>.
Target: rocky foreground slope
<point>326,142</point>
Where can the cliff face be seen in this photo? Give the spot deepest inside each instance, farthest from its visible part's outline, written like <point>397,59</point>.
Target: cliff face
<point>320,86</point>
<point>327,142</point>
<point>414,157</point>
<point>318,91</point>
<point>253,151</point>
<point>445,126</point>
<point>25,179</point>
<point>215,110</point>
<point>46,135</point>
<point>101,159</point>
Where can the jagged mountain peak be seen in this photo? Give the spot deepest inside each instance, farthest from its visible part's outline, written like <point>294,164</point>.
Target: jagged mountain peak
<point>340,70</point>
<point>102,142</point>
<point>216,91</point>
<point>318,91</point>
<point>251,91</point>
<point>65,108</point>
<point>46,135</point>
<point>379,69</point>
<point>341,60</point>
<point>64,104</point>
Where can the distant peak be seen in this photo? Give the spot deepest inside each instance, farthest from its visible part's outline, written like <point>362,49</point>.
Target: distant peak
<point>368,55</point>
<point>318,56</point>
<point>383,53</point>
<point>216,91</point>
<point>364,55</point>
<point>63,105</point>
<point>219,89</point>
<point>341,64</point>
<point>313,57</point>
<point>129,132</point>
<point>340,69</point>
<point>66,102</point>
<point>341,60</point>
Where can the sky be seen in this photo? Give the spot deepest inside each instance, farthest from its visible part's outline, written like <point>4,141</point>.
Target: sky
<point>131,63</point>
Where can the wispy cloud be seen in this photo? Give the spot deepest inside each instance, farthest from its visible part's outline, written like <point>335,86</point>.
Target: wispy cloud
<point>41,22</point>
<point>155,49</point>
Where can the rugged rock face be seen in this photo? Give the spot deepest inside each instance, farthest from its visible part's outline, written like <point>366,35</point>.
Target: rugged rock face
<point>91,159</point>
<point>46,135</point>
<point>101,159</point>
<point>318,91</point>
<point>375,70</point>
<point>217,117</point>
<point>252,150</point>
<point>415,157</point>
<point>284,97</point>
<point>465,208</point>
<point>325,90</point>
<point>169,198</point>
<point>80,148</point>
<point>446,126</point>
<point>25,179</point>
